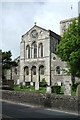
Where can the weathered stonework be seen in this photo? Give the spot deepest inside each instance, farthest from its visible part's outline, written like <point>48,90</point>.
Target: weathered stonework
<point>64,24</point>
<point>60,102</point>
<point>14,72</point>
<point>48,60</point>
<point>45,62</point>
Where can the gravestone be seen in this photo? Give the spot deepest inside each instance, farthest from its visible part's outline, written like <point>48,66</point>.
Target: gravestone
<point>78,95</point>
<point>67,88</point>
<point>78,90</point>
<point>18,82</point>
<point>36,85</point>
<point>23,83</point>
<point>59,83</point>
<point>48,89</point>
<point>31,83</point>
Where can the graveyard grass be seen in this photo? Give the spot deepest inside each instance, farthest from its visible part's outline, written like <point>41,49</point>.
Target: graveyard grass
<point>31,89</point>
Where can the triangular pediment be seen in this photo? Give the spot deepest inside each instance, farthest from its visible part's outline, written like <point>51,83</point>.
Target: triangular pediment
<point>35,27</point>
<point>38,33</point>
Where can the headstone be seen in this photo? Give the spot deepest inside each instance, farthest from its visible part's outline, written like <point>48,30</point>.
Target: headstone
<point>59,83</point>
<point>48,89</point>
<point>23,84</point>
<point>78,90</point>
<point>18,82</point>
<point>78,95</point>
<point>31,83</point>
<point>36,85</point>
<point>67,88</point>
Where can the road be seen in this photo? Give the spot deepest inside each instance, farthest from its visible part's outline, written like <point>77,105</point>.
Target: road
<point>17,111</point>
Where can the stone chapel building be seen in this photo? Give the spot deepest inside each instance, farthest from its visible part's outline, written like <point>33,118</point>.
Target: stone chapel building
<point>38,59</point>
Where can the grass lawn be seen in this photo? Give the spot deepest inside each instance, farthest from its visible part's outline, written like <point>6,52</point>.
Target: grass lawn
<point>30,89</point>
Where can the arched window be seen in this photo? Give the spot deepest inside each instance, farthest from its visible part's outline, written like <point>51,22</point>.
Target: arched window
<point>16,71</point>
<point>34,70</point>
<point>34,50</point>
<point>26,70</point>
<point>41,68</point>
<point>40,50</point>
<point>58,69</point>
<point>28,51</point>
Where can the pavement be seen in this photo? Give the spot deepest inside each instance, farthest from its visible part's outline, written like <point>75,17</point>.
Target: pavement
<point>17,110</point>
<point>37,106</point>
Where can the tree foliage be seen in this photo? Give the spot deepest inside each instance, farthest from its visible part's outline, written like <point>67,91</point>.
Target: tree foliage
<point>69,48</point>
<point>7,62</point>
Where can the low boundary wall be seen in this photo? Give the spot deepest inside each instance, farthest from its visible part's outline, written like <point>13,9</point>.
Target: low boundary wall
<point>60,102</point>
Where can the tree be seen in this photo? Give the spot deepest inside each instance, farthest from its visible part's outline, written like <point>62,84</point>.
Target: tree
<point>69,48</point>
<point>7,62</point>
<point>6,59</point>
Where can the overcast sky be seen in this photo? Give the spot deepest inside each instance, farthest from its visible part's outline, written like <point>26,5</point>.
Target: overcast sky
<point>18,17</point>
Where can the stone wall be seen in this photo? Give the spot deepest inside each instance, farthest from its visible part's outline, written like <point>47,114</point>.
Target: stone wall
<point>66,103</point>
<point>63,76</point>
<point>27,39</point>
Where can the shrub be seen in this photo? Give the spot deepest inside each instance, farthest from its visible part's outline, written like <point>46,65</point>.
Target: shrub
<point>43,83</point>
<point>56,89</point>
<point>6,87</point>
<point>21,86</point>
<point>74,87</point>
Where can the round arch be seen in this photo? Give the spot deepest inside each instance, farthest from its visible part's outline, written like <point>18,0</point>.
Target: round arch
<point>40,50</point>
<point>34,50</point>
<point>28,51</point>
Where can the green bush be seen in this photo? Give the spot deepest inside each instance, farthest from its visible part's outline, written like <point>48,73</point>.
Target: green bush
<point>74,87</point>
<point>21,86</point>
<point>56,89</point>
<point>43,83</point>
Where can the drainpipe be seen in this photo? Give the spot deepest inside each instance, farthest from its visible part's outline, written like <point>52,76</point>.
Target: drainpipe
<point>50,61</point>
<point>24,60</point>
<point>11,72</point>
<point>49,87</point>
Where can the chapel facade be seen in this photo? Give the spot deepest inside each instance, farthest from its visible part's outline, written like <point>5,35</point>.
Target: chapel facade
<point>38,59</point>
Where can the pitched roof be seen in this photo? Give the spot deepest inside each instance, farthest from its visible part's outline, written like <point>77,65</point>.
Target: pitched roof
<point>51,32</point>
<point>54,35</point>
<point>32,28</point>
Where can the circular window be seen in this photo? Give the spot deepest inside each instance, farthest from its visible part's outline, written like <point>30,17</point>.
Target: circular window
<point>54,58</point>
<point>34,34</point>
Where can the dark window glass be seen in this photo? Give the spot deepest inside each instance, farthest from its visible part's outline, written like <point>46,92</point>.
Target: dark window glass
<point>35,51</point>
<point>34,70</point>
<point>40,50</point>
<point>28,51</point>
<point>15,70</point>
<point>58,70</point>
<point>27,70</point>
<point>42,70</point>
